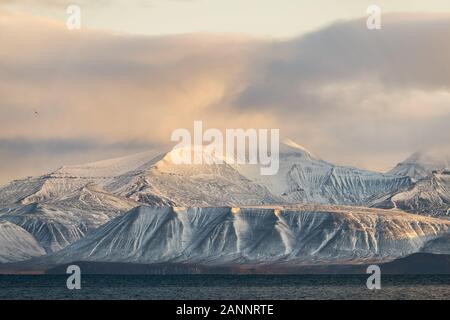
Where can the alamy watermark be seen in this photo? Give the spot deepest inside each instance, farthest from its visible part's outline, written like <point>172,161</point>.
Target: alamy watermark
<point>236,146</point>
<point>73,22</point>
<point>374,20</point>
<point>374,280</point>
<point>74,17</point>
<point>74,280</point>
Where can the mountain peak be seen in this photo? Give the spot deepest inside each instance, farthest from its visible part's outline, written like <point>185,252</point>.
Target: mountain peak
<point>421,164</point>
<point>421,157</point>
<point>291,144</point>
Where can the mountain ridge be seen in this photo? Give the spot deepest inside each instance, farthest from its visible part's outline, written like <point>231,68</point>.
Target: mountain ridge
<point>292,235</point>
<point>63,207</point>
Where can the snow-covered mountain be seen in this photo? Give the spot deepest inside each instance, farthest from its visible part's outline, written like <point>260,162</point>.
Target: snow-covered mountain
<point>429,196</point>
<point>68,179</point>
<point>16,244</point>
<point>305,178</point>
<point>294,235</point>
<point>62,207</point>
<point>421,164</point>
<point>153,178</point>
<point>60,220</point>
<point>165,182</point>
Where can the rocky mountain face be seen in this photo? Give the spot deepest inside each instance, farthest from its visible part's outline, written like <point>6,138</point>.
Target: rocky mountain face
<point>65,207</point>
<point>305,178</point>
<point>429,196</point>
<point>233,236</point>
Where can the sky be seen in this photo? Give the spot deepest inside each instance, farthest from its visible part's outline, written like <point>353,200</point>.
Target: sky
<point>137,70</point>
<point>262,18</point>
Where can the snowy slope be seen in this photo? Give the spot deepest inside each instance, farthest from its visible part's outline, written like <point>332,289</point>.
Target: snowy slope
<point>304,178</point>
<point>429,196</point>
<point>16,244</point>
<point>167,183</point>
<point>421,164</point>
<point>68,179</point>
<point>230,236</point>
<point>153,178</point>
<point>57,222</point>
<point>62,207</point>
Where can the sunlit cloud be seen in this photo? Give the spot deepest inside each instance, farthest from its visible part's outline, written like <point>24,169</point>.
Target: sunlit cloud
<point>350,95</point>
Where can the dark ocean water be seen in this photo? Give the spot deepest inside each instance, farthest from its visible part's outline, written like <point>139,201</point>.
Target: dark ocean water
<point>193,287</point>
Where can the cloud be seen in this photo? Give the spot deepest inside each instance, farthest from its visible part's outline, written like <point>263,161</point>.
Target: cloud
<point>354,92</point>
<point>111,89</point>
<point>405,54</point>
<point>112,86</point>
<point>354,96</point>
<point>56,146</point>
<point>26,157</point>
